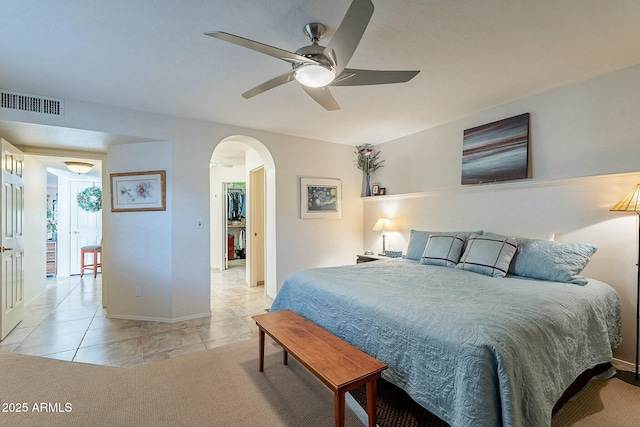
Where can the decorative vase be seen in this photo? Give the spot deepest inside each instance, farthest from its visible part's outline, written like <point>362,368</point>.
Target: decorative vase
<point>367,189</point>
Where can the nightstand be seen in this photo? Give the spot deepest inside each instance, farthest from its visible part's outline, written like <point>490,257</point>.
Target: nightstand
<point>368,258</point>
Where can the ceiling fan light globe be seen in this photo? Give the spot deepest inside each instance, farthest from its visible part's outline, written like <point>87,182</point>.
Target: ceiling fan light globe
<point>313,75</point>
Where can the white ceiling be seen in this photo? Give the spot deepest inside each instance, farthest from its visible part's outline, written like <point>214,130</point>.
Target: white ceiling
<point>151,55</point>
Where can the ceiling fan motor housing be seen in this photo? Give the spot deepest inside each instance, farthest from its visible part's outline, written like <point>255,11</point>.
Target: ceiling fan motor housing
<point>323,72</point>
<point>316,53</point>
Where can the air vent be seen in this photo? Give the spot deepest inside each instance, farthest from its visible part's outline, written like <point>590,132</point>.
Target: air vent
<point>32,103</point>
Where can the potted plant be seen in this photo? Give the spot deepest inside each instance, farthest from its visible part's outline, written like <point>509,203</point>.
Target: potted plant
<point>367,160</point>
<point>52,226</point>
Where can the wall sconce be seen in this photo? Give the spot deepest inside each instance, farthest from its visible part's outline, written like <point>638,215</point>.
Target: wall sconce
<point>384,225</point>
<point>78,167</point>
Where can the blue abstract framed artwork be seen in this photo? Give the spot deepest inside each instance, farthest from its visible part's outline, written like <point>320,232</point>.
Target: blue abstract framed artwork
<point>497,151</point>
<point>138,191</point>
<point>320,198</point>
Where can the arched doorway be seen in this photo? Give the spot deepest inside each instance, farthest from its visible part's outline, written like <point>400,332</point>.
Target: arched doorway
<point>244,154</point>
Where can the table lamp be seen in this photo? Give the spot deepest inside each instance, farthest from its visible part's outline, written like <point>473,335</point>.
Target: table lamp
<point>384,225</point>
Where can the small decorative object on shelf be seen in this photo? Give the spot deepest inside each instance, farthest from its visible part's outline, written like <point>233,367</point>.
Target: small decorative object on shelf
<point>375,189</point>
<point>382,191</point>
<point>367,160</point>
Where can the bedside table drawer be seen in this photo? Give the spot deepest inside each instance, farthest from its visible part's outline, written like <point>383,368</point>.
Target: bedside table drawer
<point>366,258</point>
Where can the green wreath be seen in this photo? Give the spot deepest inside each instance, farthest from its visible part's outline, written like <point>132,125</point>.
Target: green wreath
<point>90,199</point>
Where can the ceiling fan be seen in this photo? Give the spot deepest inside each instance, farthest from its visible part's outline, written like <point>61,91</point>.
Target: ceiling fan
<point>317,67</point>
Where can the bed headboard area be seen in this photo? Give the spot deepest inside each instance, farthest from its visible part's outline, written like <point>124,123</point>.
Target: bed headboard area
<point>573,210</point>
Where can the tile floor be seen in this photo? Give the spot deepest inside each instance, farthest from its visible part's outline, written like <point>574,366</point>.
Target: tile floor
<point>68,322</point>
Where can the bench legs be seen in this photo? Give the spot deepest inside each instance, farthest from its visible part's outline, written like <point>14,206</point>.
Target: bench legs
<point>372,391</point>
<point>261,339</point>
<point>338,407</point>
<point>338,403</point>
<point>338,398</point>
<point>261,343</point>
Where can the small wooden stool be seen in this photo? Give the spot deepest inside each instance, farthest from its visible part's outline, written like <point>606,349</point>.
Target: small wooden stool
<point>96,250</point>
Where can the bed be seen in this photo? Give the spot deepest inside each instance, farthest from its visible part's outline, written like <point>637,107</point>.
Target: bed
<point>487,348</point>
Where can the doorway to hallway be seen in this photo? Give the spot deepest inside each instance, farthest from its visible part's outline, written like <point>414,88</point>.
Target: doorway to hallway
<point>233,160</point>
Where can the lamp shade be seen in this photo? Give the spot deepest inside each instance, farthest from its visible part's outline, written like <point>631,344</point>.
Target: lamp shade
<point>630,202</point>
<point>383,224</point>
<point>313,75</point>
<point>78,167</point>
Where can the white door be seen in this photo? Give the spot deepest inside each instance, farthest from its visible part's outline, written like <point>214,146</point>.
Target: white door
<point>85,227</point>
<point>12,229</point>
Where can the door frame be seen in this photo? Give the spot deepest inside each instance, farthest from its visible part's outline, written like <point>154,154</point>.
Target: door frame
<point>257,229</point>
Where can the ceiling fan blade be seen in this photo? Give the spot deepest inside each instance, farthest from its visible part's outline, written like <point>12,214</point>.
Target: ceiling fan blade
<point>353,77</point>
<point>274,82</point>
<point>282,54</point>
<point>322,96</point>
<point>345,41</point>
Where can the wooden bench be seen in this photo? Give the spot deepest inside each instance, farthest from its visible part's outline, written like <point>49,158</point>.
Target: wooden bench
<point>339,365</point>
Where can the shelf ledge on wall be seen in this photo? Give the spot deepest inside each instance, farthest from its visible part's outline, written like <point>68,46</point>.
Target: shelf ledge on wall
<point>508,185</point>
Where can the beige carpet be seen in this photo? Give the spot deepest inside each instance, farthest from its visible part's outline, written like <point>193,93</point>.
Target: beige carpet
<point>610,403</point>
<point>219,387</point>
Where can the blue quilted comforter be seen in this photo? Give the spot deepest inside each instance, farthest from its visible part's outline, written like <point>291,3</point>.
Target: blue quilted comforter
<point>472,349</point>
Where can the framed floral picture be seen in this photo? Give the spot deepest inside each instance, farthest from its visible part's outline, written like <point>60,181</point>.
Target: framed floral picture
<point>138,191</point>
<point>320,198</point>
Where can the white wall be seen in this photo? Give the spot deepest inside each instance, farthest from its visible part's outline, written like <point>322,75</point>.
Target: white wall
<point>35,233</point>
<point>137,252</point>
<point>589,129</point>
<point>584,129</point>
<point>162,251</point>
<point>307,243</point>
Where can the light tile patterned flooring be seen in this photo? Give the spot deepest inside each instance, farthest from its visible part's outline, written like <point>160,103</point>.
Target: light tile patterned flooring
<point>68,322</point>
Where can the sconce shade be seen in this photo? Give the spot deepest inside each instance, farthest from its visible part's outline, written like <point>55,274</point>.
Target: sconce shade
<point>78,167</point>
<point>630,202</point>
<point>383,224</point>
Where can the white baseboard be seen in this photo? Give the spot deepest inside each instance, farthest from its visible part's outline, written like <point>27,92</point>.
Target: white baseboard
<point>624,364</point>
<point>158,319</point>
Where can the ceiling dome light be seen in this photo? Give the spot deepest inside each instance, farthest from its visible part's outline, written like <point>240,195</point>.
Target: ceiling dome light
<point>78,167</point>
<point>314,75</point>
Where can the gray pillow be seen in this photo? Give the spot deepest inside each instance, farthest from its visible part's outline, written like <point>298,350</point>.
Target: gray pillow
<point>552,261</point>
<point>443,249</point>
<point>488,254</point>
<point>418,241</point>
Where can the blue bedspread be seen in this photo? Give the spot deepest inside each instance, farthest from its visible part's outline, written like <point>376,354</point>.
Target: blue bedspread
<point>474,350</point>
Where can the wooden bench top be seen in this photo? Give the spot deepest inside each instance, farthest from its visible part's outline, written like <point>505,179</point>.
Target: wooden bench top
<point>336,363</point>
